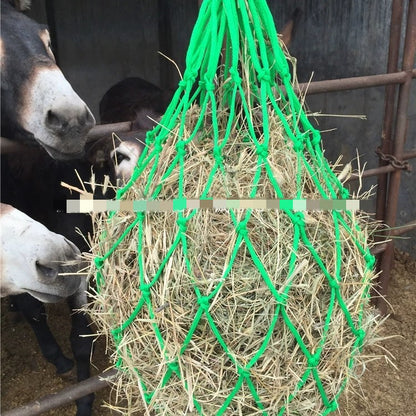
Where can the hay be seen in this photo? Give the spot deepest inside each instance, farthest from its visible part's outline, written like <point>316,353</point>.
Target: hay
<point>235,312</point>
<point>244,308</point>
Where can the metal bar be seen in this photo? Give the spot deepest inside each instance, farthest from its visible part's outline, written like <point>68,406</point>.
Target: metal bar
<point>398,150</point>
<point>378,249</point>
<point>65,396</point>
<point>370,172</point>
<point>409,155</point>
<point>381,169</point>
<point>403,229</point>
<point>342,84</point>
<point>102,130</point>
<point>389,102</point>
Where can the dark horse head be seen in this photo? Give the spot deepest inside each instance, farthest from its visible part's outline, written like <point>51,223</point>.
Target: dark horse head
<point>37,102</point>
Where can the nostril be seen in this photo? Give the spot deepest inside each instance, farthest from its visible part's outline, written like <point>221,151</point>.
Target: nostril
<point>56,121</point>
<point>46,272</point>
<point>53,120</point>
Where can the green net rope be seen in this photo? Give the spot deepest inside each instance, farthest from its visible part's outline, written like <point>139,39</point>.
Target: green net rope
<point>228,33</point>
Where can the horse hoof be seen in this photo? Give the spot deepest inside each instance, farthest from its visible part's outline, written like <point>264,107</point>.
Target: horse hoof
<point>64,366</point>
<point>70,376</point>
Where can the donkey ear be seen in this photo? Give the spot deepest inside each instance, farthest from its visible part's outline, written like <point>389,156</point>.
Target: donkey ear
<point>22,5</point>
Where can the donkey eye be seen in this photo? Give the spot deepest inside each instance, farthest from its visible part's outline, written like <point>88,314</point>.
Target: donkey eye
<point>119,157</point>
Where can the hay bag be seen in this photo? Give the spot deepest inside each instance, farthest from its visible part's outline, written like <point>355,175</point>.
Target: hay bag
<point>234,311</point>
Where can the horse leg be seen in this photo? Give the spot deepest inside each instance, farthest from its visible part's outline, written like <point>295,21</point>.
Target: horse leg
<point>34,312</point>
<point>81,344</point>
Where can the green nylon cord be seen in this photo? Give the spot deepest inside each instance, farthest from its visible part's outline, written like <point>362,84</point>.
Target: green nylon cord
<point>247,29</point>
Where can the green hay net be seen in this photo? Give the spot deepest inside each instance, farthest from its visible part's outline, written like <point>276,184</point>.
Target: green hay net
<point>234,64</point>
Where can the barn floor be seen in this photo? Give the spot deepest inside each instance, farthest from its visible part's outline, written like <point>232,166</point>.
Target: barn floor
<point>386,390</point>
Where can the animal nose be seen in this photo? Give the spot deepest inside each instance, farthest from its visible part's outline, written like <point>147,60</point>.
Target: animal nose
<point>61,121</point>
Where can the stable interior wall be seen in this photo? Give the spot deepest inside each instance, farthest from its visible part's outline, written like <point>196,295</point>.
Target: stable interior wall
<point>99,42</point>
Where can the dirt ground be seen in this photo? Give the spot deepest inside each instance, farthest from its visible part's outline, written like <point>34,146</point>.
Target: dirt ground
<point>387,389</point>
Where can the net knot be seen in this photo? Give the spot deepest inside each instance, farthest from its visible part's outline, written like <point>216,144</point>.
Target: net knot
<point>313,361</point>
<point>188,79</point>
<point>370,260</point>
<point>191,75</point>
<point>150,137</point>
<point>180,148</point>
<point>182,224</point>
<point>316,138</point>
<point>334,284</point>
<point>117,334</point>
<point>99,262</point>
<point>140,215</point>
<point>300,140</point>
<point>262,151</point>
<point>217,153</point>
<point>182,84</point>
<point>244,372</point>
<point>299,219</point>
<point>241,229</point>
<point>174,367</point>
<point>264,75</point>
<point>158,147</point>
<point>207,84</point>
<point>299,145</point>
<point>235,76</point>
<point>203,302</point>
<point>145,289</point>
<point>360,334</point>
<point>344,193</point>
